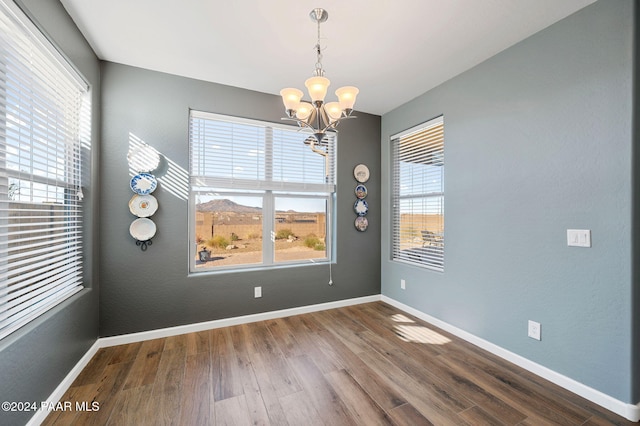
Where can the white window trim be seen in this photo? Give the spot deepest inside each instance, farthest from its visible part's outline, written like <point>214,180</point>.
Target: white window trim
<point>268,193</point>
<point>427,258</point>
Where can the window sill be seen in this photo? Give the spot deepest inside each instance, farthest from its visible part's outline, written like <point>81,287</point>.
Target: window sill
<point>258,268</point>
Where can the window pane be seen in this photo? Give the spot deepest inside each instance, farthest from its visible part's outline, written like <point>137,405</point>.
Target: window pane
<point>417,179</point>
<point>421,230</point>
<point>227,150</point>
<point>228,230</point>
<point>300,228</point>
<point>418,195</point>
<point>293,160</point>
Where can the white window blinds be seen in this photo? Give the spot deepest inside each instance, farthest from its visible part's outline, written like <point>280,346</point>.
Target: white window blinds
<point>228,152</point>
<point>418,195</point>
<point>44,120</point>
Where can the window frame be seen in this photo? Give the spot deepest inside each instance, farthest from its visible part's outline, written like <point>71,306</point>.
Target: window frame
<point>46,126</point>
<point>269,196</point>
<point>426,250</point>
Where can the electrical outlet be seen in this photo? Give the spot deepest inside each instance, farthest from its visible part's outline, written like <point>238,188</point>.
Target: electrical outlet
<point>534,330</point>
<point>257,292</point>
<point>403,284</point>
<point>579,237</point>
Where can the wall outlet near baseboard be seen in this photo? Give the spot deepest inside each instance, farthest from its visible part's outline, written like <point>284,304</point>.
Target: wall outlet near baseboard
<point>403,284</point>
<point>534,330</point>
<point>257,292</point>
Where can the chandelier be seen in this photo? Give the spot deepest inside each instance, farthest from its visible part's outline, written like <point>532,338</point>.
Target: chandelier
<point>318,116</point>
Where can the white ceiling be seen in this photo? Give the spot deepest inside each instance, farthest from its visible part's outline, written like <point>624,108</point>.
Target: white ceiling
<point>393,50</point>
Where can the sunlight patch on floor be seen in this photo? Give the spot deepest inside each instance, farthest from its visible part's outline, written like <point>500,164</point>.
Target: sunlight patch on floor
<point>420,334</point>
<point>401,318</point>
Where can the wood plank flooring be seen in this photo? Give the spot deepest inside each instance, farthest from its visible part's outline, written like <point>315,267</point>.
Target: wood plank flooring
<point>368,364</point>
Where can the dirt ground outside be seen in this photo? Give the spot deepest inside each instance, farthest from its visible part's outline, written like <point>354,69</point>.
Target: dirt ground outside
<point>250,252</point>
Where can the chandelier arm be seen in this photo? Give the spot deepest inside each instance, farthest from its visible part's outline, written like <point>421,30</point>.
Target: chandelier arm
<point>333,125</point>
<point>300,122</point>
<point>325,117</point>
<point>321,117</point>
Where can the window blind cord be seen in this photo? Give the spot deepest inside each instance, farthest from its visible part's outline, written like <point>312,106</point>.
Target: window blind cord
<point>79,192</point>
<point>330,278</point>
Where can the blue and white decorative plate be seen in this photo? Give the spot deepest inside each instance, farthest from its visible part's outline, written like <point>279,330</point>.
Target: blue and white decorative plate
<point>361,192</point>
<point>143,183</point>
<point>361,207</point>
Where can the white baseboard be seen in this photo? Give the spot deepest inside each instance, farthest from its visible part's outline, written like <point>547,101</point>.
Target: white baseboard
<point>228,322</point>
<point>626,410</point>
<point>629,411</point>
<point>42,414</point>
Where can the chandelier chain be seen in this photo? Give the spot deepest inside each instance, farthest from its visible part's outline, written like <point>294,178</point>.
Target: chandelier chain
<point>319,71</point>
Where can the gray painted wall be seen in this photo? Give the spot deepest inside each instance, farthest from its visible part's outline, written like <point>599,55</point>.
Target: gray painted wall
<point>538,139</point>
<point>149,290</point>
<point>36,358</point>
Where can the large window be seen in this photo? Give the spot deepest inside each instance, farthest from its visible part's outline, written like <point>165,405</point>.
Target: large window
<point>259,195</point>
<point>418,195</point>
<point>44,122</point>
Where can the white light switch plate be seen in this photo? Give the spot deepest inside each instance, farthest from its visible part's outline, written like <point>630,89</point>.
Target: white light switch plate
<point>579,237</point>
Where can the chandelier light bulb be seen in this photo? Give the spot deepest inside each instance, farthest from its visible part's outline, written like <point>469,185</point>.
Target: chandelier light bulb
<point>291,98</point>
<point>304,111</point>
<point>347,97</point>
<point>317,87</point>
<point>333,111</point>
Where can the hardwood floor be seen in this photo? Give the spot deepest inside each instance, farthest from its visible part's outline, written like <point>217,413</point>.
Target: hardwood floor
<point>368,364</point>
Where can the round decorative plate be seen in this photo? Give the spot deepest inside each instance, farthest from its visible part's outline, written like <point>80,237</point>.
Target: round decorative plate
<point>361,223</point>
<point>143,205</point>
<point>143,183</point>
<point>142,229</point>
<point>361,192</point>
<point>361,207</point>
<point>143,158</point>
<point>361,173</point>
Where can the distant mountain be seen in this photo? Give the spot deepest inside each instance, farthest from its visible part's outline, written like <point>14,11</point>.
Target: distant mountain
<point>226,206</point>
